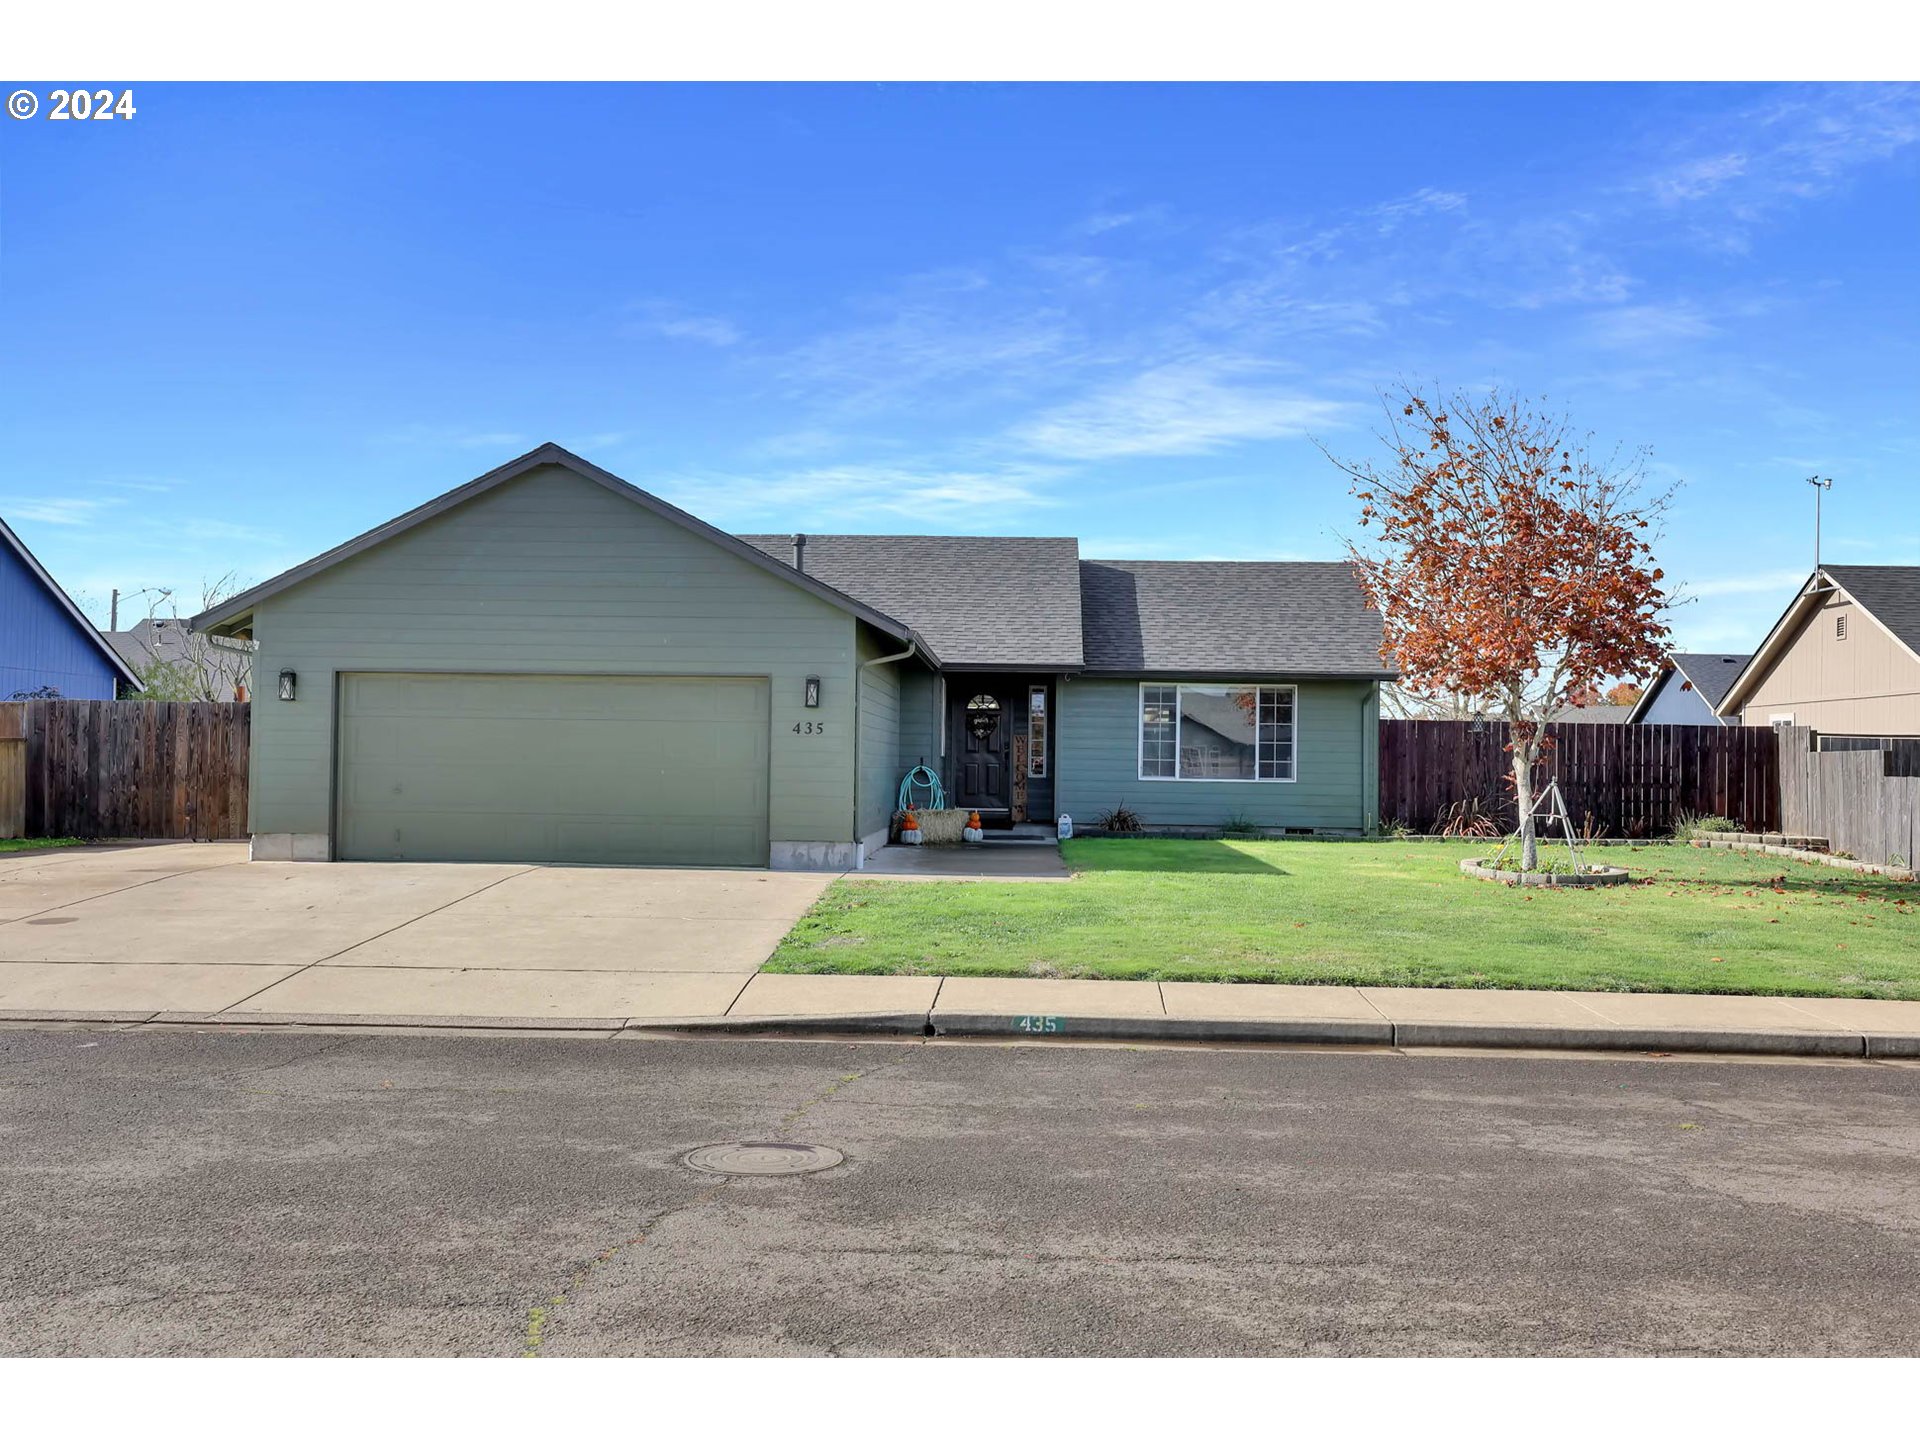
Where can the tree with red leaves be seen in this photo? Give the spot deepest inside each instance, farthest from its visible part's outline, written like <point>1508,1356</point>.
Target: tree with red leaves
<point>1507,562</point>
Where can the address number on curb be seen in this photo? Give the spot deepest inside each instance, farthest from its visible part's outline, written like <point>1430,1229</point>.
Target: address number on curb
<point>1040,1024</point>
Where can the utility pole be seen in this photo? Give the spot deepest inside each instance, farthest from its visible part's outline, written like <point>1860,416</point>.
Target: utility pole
<point>113,612</point>
<point>1820,487</point>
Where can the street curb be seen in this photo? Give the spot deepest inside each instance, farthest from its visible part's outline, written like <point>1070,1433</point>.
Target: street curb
<point>1165,1027</point>
<point>1405,1035</point>
<point>273,1020</point>
<point>908,1022</point>
<point>1562,1037</point>
<point>1893,1047</point>
<point>90,1017</point>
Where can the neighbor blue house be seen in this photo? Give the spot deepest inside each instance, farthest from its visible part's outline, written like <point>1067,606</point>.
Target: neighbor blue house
<point>47,647</point>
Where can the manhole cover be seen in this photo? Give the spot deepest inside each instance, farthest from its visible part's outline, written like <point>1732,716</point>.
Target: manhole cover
<point>763,1157</point>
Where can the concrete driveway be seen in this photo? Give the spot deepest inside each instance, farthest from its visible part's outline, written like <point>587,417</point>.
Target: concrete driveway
<point>198,929</point>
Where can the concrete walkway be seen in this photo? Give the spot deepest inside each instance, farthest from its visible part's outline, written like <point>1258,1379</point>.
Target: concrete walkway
<point>989,860</point>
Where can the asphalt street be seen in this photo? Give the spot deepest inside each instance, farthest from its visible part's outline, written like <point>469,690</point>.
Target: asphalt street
<point>184,1193</point>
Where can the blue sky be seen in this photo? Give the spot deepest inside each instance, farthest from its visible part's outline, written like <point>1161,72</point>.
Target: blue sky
<point>256,320</point>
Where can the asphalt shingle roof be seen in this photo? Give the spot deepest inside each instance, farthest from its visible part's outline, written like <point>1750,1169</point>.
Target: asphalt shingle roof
<point>1591,715</point>
<point>1228,617</point>
<point>1712,675</point>
<point>1891,593</point>
<point>978,599</point>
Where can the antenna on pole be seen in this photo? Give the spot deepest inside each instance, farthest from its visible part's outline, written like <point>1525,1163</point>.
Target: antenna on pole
<point>1820,485</point>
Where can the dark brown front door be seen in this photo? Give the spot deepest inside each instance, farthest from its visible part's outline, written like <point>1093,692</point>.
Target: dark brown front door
<point>983,731</point>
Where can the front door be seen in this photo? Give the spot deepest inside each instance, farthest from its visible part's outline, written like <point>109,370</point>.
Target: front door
<point>983,731</point>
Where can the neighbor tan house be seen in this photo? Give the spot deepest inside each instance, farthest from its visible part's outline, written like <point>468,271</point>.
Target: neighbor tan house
<point>1844,659</point>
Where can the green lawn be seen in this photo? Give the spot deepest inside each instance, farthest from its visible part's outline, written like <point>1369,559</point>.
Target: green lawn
<point>1385,913</point>
<point>10,845</point>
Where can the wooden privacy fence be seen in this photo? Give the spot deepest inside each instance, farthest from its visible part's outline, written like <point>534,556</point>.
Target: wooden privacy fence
<point>1865,802</point>
<point>126,769</point>
<point>1620,781</point>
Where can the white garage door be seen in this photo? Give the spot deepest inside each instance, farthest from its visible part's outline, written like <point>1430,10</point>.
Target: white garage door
<point>579,769</point>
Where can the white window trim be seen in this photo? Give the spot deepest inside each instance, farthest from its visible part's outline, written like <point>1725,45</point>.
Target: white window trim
<point>1140,733</point>
<point>1046,733</point>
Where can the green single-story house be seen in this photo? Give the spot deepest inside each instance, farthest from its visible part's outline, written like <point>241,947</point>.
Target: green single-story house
<point>549,664</point>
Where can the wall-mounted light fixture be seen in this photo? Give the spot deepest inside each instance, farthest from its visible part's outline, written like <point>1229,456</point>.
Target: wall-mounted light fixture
<point>287,679</point>
<point>813,692</point>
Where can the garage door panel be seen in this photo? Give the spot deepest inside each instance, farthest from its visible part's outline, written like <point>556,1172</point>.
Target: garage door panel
<point>698,784</point>
<point>616,770</point>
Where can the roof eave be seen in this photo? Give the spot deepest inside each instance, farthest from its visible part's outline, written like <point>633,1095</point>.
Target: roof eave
<point>65,601</point>
<point>232,615</point>
<point>980,667</point>
<point>1239,672</point>
<point>1645,702</point>
<point>1789,623</point>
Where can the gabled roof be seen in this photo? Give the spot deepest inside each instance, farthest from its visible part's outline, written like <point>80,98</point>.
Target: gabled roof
<point>1590,715</point>
<point>1889,595</point>
<point>982,600</point>
<point>151,639</point>
<point>232,616</point>
<point>1710,675</point>
<point>65,601</point>
<point>166,640</point>
<point>1229,618</point>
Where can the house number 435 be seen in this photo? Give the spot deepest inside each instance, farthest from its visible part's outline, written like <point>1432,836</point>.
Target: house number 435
<point>810,727</point>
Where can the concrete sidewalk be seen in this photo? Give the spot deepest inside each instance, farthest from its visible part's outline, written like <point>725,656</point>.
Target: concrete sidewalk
<point>1326,1014</point>
<point>1127,1010</point>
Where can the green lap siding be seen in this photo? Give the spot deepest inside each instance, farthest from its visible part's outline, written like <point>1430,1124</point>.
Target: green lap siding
<point>878,739</point>
<point>919,722</point>
<point>1097,739</point>
<point>553,574</point>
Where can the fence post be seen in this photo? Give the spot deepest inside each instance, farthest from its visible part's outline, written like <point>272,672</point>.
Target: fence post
<point>13,770</point>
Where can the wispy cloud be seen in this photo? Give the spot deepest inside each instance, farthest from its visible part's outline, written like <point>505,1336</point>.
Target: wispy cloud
<point>52,510</point>
<point>1103,221</point>
<point>1775,582</point>
<point>1185,408</point>
<point>224,531</point>
<point>1635,327</point>
<point>1392,214</point>
<point>673,323</point>
<point>1799,143</point>
<point>453,437</point>
<point>837,497</point>
<point>922,346</point>
<point>1691,179</point>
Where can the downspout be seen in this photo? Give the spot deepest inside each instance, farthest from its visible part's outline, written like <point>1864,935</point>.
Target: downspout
<point>913,648</point>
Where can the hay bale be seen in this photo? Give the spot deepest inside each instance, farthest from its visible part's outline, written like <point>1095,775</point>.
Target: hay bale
<point>937,827</point>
